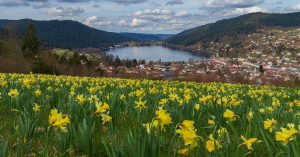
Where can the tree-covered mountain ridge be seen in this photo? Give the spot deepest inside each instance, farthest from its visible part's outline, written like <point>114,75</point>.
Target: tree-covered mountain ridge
<point>64,33</point>
<point>231,29</point>
<point>146,37</point>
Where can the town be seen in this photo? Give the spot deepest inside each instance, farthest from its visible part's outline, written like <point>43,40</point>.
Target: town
<point>266,57</point>
<point>272,58</point>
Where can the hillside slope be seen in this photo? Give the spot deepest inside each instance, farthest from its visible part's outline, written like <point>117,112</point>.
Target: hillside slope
<point>147,37</point>
<point>65,34</point>
<point>231,28</point>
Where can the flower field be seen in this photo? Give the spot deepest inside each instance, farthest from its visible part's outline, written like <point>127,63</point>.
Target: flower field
<point>43,115</point>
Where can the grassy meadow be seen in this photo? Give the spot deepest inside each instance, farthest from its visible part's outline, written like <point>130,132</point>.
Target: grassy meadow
<point>44,115</point>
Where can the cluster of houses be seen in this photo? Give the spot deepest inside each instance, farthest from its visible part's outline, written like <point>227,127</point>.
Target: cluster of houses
<point>219,70</point>
<point>272,58</point>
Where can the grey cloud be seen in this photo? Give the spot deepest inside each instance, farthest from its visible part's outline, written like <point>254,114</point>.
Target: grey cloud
<point>35,3</point>
<point>279,2</point>
<point>293,8</point>
<point>14,3</point>
<point>232,3</point>
<point>11,3</point>
<point>155,14</point>
<point>97,6</point>
<point>41,5</point>
<point>160,20</point>
<point>175,2</point>
<point>97,21</point>
<point>64,12</point>
<point>36,0</point>
<point>127,2</point>
<point>123,2</point>
<point>220,9</point>
<point>74,1</point>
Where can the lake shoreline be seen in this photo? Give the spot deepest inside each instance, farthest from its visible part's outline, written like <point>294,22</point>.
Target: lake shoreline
<point>202,53</point>
<point>156,53</point>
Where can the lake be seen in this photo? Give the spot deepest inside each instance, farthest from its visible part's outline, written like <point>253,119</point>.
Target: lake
<point>153,53</point>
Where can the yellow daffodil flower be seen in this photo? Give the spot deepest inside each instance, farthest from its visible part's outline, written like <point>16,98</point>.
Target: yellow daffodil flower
<point>270,124</point>
<point>36,108</point>
<point>286,135</point>
<point>249,142</point>
<point>13,93</point>
<point>212,144</point>
<point>229,115</point>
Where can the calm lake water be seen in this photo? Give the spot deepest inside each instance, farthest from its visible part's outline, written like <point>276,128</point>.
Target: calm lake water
<point>153,53</point>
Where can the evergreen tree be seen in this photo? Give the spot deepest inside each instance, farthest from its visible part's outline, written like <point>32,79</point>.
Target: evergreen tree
<point>261,69</point>
<point>118,61</point>
<point>1,47</point>
<point>134,63</point>
<point>30,43</point>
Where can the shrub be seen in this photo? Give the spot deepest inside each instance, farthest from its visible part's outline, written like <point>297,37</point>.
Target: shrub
<point>39,67</point>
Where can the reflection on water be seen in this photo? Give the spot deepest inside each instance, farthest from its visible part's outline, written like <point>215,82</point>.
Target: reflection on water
<point>154,53</point>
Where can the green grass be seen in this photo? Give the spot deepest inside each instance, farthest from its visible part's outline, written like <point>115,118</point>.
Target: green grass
<point>28,133</point>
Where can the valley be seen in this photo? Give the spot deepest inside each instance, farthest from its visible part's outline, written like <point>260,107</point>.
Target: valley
<point>141,78</point>
<point>266,53</point>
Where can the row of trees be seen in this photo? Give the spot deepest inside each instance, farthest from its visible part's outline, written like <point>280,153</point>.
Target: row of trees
<point>30,45</point>
<point>116,61</point>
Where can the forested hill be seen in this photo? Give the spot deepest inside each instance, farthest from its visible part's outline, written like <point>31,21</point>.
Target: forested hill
<point>65,34</point>
<point>147,37</point>
<point>234,27</point>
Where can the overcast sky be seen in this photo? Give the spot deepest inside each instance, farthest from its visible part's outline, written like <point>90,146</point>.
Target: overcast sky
<point>141,16</point>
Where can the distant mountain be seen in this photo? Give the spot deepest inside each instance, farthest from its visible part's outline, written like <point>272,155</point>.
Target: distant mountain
<point>66,33</point>
<point>147,37</point>
<point>231,28</point>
